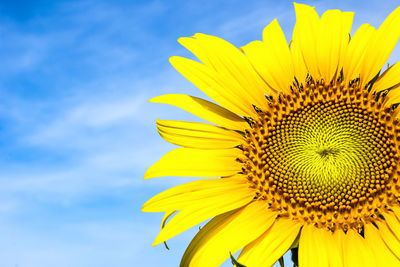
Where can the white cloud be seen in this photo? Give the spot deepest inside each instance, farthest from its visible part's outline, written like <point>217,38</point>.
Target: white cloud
<point>73,121</point>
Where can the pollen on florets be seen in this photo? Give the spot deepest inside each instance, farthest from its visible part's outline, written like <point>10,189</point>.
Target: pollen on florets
<point>325,154</point>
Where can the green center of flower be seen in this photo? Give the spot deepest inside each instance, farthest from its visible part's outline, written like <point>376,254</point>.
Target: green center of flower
<point>329,154</point>
<point>324,152</point>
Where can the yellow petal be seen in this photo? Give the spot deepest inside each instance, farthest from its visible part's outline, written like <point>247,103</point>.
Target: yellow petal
<point>356,251</point>
<point>396,211</point>
<point>270,246</point>
<point>304,32</point>
<point>389,79</point>
<point>319,247</point>
<point>196,163</point>
<point>208,190</point>
<point>228,233</point>
<point>204,109</point>
<point>336,255</point>
<point>313,246</point>
<point>204,208</point>
<point>327,250</point>
<point>198,135</point>
<point>231,68</point>
<point>332,40</point>
<point>300,68</point>
<point>393,223</point>
<point>215,86</point>
<point>356,52</point>
<point>381,46</point>
<point>346,25</point>
<point>391,240</point>
<point>271,58</point>
<point>384,255</point>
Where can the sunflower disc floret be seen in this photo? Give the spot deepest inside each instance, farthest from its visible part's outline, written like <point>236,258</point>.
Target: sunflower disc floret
<point>326,155</point>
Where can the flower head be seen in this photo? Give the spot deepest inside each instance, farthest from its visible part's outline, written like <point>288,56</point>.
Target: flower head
<point>305,145</point>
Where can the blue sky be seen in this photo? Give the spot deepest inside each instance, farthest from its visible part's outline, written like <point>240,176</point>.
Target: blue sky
<point>76,132</point>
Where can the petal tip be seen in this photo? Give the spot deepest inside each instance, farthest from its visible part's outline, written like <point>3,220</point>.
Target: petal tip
<point>148,174</point>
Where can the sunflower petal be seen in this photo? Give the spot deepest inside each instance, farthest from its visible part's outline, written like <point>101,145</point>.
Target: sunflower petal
<point>205,208</point>
<point>356,52</point>
<point>329,252</point>
<point>271,58</point>
<point>381,46</point>
<point>346,19</point>
<point>196,163</point>
<point>305,30</point>
<point>332,39</point>
<point>197,134</point>
<point>389,79</point>
<point>230,63</point>
<point>204,109</point>
<point>270,246</point>
<point>391,240</point>
<point>300,68</point>
<point>393,223</point>
<point>396,212</point>
<point>229,68</point>
<point>356,251</point>
<point>208,190</point>
<point>381,251</point>
<point>313,247</point>
<point>214,85</point>
<point>336,254</point>
<point>227,233</point>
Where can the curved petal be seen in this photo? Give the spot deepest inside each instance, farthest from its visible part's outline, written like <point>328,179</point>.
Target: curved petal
<point>204,109</point>
<point>393,223</point>
<point>304,32</point>
<point>332,39</point>
<point>271,58</point>
<point>215,86</point>
<point>228,61</point>
<point>204,209</point>
<point>391,240</point>
<point>389,79</point>
<point>381,251</point>
<point>320,247</point>
<point>381,46</point>
<point>336,256</point>
<point>227,233</point>
<point>196,163</point>
<point>269,247</point>
<point>208,191</point>
<point>356,52</point>
<point>230,68</point>
<point>356,251</point>
<point>300,68</point>
<point>396,211</point>
<point>313,247</point>
<point>198,135</point>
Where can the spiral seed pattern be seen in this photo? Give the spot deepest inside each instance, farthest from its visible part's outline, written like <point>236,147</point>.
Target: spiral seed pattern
<point>325,154</point>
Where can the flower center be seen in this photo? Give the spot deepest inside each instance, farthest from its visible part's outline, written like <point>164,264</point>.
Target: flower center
<point>325,154</point>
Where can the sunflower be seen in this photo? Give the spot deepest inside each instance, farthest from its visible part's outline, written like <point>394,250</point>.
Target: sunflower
<point>302,151</point>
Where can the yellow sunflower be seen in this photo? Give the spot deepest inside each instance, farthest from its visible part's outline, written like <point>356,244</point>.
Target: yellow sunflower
<point>303,150</point>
